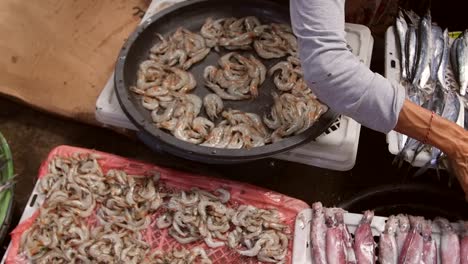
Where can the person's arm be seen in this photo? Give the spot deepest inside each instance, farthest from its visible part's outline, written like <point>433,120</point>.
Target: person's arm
<point>336,76</point>
<point>439,132</point>
<point>341,81</point>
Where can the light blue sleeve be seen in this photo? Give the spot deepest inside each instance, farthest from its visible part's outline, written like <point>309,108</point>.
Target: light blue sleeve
<point>335,75</point>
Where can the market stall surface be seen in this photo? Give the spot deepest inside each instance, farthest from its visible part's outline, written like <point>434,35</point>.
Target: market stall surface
<point>32,134</point>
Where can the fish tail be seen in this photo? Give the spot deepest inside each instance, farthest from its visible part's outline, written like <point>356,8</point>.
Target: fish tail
<point>422,170</point>
<point>400,158</point>
<point>437,172</point>
<point>418,150</point>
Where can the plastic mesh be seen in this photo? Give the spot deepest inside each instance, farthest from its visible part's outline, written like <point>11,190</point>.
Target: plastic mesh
<point>241,193</point>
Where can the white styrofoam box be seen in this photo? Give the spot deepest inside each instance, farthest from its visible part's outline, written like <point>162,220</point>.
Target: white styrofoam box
<point>393,72</point>
<point>336,149</point>
<point>108,110</point>
<point>301,244</point>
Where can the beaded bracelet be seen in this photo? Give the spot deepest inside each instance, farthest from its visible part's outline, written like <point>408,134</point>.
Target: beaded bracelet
<point>428,129</point>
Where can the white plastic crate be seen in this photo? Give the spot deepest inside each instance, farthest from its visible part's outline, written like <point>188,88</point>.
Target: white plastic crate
<point>392,72</point>
<point>336,149</point>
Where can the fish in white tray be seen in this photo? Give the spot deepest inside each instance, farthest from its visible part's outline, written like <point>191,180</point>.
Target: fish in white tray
<point>388,250</point>
<point>462,61</point>
<point>429,245</point>
<point>411,50</point>
<point>437,50</point>
<point>318,234</point>
<point>401,31</point>
<point>364,245</point>
<point>412,250</point>
<point>347,238</point>
<point>464,243</point>
<point>402,231</point>
<point>336,253</point>
<point>444,61</point>
<point>449,242</point>
<point>424,49</point>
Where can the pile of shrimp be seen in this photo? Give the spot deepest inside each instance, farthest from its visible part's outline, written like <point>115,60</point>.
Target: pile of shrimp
<point>297,108</point>
<point>91,217</point>
<point>230,33</point>
<point>177,256</point>
<point>200,215</point>
<point>238,77</point>
<point>275,41</point>
<point>165,85</point>
<point>183,49</point>
<point>238,129</point>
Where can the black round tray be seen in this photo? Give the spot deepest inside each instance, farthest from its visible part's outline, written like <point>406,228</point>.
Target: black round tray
<point>192,15</point>
<point>413,199</point>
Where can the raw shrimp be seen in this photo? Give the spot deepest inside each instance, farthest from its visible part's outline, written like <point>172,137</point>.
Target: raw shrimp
<point>198,56</point>
<point>166,115</point>
<point>213,105</point>
<point>150,103</point>
<point>202,126</point>
<point>209,75</point>
<point>211,30</point>
<point>181,131</point>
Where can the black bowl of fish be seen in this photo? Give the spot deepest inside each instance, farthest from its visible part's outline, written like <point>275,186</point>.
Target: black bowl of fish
<point>219,82</point>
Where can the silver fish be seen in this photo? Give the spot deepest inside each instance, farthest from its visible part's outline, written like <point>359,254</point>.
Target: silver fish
<point>404,154</point>
<point>437,100</point>
<point>424,47</point>
<point>436,104</point>
<point>425,76</point>
<point>412,17</point>
<point>444,61</point>
<point>451,111</point>
<point>411,51</point>
<point>405,144</point>
<point>401,31</point>
<point>452,107</point>
<point>462,62</point>
<point>453,57</point>
<point>437,50</point>
<point>465,123</point>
